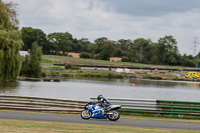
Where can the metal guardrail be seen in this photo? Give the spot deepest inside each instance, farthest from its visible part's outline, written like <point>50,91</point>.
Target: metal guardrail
<point>135,106</point>
<point>150,107</point>
<point>140,104</point>
<point>179,108</point>
<point>41,104</point>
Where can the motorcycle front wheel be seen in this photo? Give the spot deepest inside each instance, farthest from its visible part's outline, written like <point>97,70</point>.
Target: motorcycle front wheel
<point>114,116</point>
<point>86,114</point>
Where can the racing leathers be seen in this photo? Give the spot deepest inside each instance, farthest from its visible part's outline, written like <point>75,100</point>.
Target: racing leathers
<point>103,102</point>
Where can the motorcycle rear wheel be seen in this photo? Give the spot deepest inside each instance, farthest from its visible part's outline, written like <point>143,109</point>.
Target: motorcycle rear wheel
<point>86,114</point>
<point>114,117</point>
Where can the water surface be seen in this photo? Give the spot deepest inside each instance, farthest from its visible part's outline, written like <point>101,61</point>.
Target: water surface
<point>83,89</point>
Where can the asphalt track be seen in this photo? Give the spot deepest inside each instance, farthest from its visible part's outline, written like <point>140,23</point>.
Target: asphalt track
<point>121,122</point>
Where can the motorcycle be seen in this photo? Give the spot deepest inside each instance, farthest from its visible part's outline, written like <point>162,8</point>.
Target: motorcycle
<point>94,110</point>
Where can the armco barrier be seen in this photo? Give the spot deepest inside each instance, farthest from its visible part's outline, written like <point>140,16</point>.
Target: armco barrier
<point>179,109</point>
<point>41,104</point>
<point>135,106</point>
<point>150,107</point>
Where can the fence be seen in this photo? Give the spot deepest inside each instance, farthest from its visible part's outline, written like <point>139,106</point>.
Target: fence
<point>183,109</point>
<point>150,107</point>
<point>41,104</point>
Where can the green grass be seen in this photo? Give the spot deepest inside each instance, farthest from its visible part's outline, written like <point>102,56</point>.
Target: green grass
<point>91,74</point>
<point>26,126</point>
<point>108,63</point>
<point>46,61</point>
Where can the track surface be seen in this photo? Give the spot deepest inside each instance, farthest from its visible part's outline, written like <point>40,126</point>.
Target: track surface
<point>121,122</point>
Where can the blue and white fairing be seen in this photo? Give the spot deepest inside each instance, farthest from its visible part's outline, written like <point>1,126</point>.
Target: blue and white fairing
<point>96,111</point>
<point>113,107</point>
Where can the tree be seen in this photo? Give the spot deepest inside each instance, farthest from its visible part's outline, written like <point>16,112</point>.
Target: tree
<point>92,48</point>
<point>125,59</point>
<point>167,50</point>
<point>35,60</point>
<point>31,66</point>
<point>187,60</point>
<point>84,44</point>
<point>125,44</point>
<point>141,51</point>
<point>99,42</point>
<point>84,55</point>
<point>76,46</point>
<point>197,60</point>
<point>103,55</point>
<point>31,35</point>
<point>124,47</point>
<point>108,49</point>
<point>10,43</point>
<point>8,19</point>
<point>60,42</point>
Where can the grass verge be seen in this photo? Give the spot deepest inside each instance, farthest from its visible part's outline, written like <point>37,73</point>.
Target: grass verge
<point>26,126</point>
<point>82,61</point>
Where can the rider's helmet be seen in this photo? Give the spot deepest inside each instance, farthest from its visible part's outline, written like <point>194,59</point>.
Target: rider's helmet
<point>99,97</point>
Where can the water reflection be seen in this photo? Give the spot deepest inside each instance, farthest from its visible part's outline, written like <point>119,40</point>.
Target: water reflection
<point>166,83</point>
<point>154,82</point>
<point>138,82</point>
<point>83,89</point>
<point>8,86</point>
<point>96,79</point>
<point>193,85</point>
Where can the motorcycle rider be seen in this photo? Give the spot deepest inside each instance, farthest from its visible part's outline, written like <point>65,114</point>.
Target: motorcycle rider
<point>103,102</point>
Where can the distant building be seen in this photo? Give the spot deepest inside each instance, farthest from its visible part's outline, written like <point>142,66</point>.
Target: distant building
<point>75,55</point>
<point>115,59</point>
<point>23,53</point>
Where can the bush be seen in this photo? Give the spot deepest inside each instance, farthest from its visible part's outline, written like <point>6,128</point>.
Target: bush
<point>84,55</point>
<point>176,78</point>
<point>125,59</point>
<point>45,73</point>
<point>75,68</point>
<point>54,72</point>
<point>66,75</point>
<point>69,66</point>
<point>133,77</point>
<point>103,55</point>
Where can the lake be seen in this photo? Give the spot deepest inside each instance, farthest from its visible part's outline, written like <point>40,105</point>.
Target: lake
<point>83,89</point>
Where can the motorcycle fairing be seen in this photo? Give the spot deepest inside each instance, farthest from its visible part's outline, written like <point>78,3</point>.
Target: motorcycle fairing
<point>96,111</point>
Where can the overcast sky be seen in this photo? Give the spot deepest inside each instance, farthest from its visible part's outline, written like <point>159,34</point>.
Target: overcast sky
<point>116,19</point>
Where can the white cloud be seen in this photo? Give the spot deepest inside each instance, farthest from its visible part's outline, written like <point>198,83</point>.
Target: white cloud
<point>93,19</point>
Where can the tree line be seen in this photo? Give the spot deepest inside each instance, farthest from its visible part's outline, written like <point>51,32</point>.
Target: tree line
<point>10,43</point>
<point>140,50</point>
<point>11,62</point>
<point>12,40</point>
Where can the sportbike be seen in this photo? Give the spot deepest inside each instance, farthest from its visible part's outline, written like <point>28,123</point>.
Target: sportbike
<point>94,110</point>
